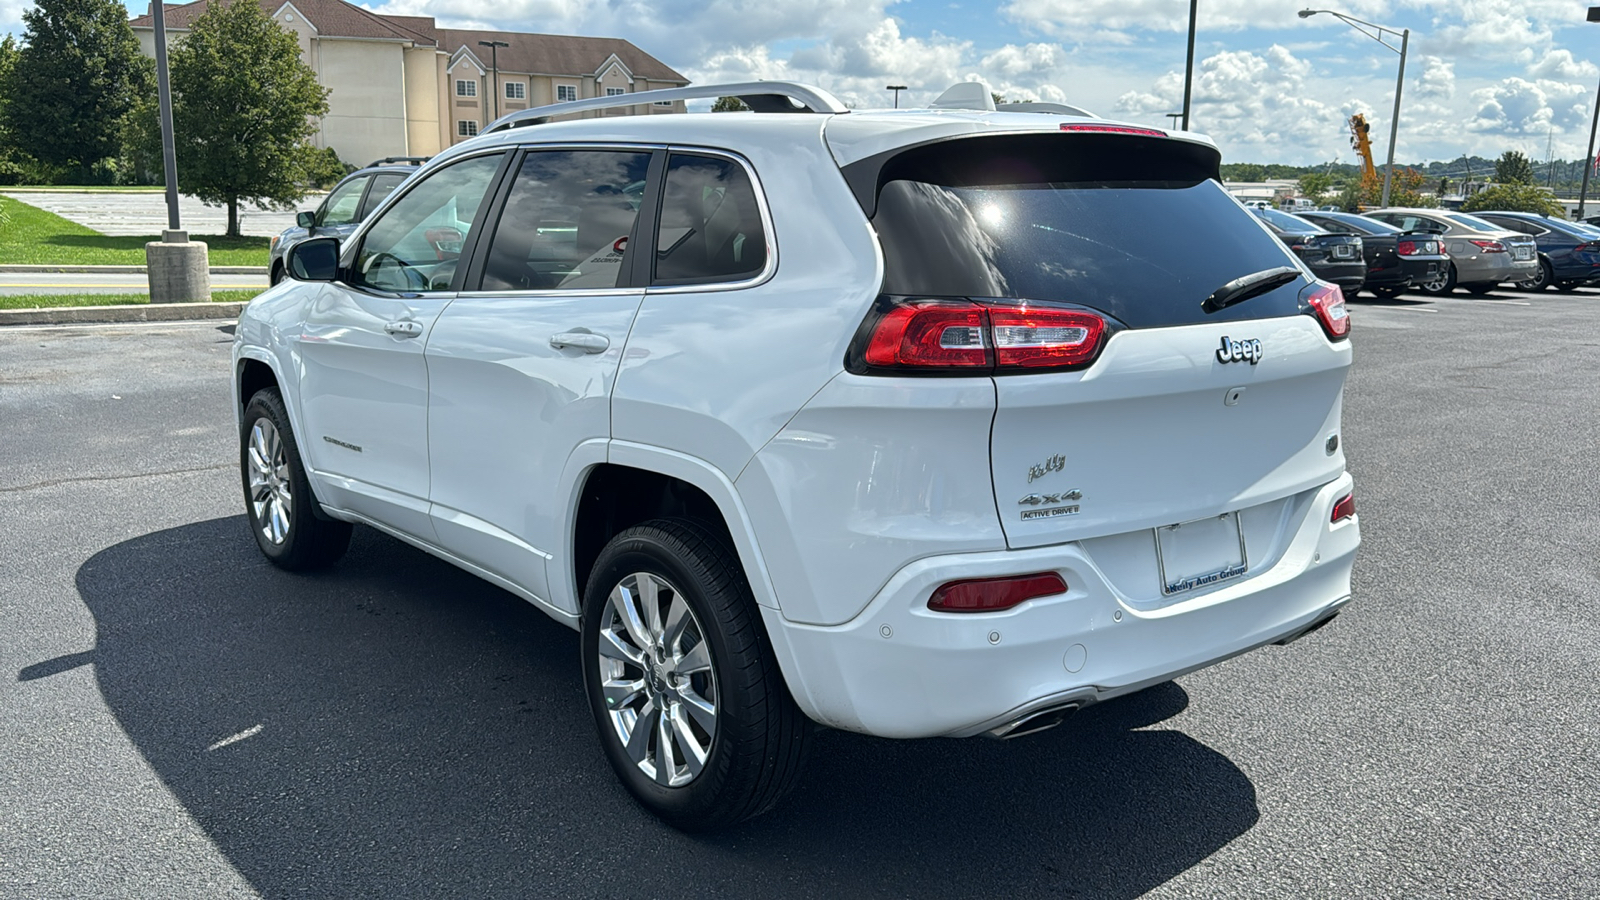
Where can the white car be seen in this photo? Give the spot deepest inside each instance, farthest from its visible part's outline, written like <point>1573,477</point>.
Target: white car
<point>908,423</point>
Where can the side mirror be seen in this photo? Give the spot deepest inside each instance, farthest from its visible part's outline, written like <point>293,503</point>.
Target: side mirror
<point>306,220</point>
<point>316,259</point>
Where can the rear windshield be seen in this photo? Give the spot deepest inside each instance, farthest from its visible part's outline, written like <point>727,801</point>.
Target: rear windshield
<point>1144,252</point>
<point>1473,222</point>
<point>1362,223</point>
<point>1285,222</point>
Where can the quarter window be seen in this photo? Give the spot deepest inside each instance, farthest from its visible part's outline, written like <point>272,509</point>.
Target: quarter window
<point>340,207</point>
<point>466,88</point>
<point>566,92</point>
<point>710,227</point>
<point>567,221</point>
<point>466,128</point>
<point>415,244</point>
<point>516,90</point>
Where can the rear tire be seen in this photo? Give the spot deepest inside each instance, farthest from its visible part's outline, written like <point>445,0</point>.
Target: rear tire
<point>1441,286</point>
<point>278,501</point>
<point>1547,276</point>
<point>1387,293</point>
<point>669,623</point>
<point>1478,290</point>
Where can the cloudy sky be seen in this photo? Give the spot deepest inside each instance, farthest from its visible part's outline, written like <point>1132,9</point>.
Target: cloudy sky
<point>1483,76</point>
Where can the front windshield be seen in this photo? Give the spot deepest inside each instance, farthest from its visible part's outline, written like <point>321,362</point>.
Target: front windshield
<point>1285,222</point>
<point>1473,222</point>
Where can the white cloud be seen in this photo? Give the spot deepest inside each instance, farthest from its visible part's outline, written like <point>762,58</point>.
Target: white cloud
<point>1438,78</point>
<point>1519,107</point>
<point>1559,64</point>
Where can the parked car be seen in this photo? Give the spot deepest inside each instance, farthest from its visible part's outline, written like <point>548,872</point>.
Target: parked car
<point>1483,255</point>
<point>351,200</point>
<point>1336,258</point>
<point>828,423</point>
<point>1569,252</point>
<point>1396,260</point>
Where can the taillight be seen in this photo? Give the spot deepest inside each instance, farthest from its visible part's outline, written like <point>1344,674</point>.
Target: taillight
<point>1489,246</point>
<point>1115,129</point>
<point>1408,248</point>
<point>994,594</point>
<point>964,337</point>
<point>1327,304</point>
<point>1344,508</point>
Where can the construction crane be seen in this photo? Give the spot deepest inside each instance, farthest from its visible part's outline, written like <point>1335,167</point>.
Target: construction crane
<point>1363,146</point>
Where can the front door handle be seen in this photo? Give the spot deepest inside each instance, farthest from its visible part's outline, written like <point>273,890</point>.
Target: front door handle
<point>404,328</point>
<point>586,341</point>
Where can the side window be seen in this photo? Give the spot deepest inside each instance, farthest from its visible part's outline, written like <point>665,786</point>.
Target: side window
<point>382,186</point>
<point>415,244</point>
<point>1429,225</point>
<point>710,227</point>
<point>340,207</point>
<point>567,220</point>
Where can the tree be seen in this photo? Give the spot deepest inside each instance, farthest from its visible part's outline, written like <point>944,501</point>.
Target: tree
<point>1515,198</point>
<point>1513,167</point>
<point>245,108</point>
<point>74,82</point>
<point>1405,189</point>
<point>1315,185</point>
<point>10,170</point>
<point>729,104</point>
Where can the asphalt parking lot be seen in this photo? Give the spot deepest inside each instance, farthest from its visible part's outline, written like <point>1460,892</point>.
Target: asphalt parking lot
<point>178,719</point>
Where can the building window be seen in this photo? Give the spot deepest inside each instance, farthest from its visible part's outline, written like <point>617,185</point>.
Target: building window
<point>466,88</point>
<point>565,92</point>
<point>466,127</point>
<point>516,90</point>
<point>666,103</point>
<point>616,92</point>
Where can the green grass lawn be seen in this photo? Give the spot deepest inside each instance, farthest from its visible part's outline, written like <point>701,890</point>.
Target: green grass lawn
<point>86,188</point>
<point>47,301</point>
<point>32,236</point>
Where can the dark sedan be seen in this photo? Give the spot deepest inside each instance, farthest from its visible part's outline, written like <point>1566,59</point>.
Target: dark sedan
<point>1569,252</point>
<point>1334,258</point>
<point>1396,260</point>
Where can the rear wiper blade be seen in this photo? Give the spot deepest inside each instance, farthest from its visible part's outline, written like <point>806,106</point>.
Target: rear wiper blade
<point>1247,286</point>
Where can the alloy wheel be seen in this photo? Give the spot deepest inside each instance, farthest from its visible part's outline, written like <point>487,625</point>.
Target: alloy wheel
<point>657,680</point>
<point>271,500</point>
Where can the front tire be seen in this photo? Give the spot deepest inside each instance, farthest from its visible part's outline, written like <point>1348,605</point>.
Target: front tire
<point>1442,285</point>
<point>277,496</point>
<point>692,711</point>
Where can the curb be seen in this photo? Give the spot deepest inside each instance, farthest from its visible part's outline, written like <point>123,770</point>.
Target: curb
<point>123,270</point>
<point>133,312</point>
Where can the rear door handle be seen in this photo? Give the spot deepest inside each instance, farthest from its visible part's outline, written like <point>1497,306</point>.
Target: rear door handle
<point>404,328</point>
<point>586,341</point>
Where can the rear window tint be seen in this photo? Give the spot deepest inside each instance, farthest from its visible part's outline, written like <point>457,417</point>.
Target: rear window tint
<point>1144,252</point>
<point>1285,222</point>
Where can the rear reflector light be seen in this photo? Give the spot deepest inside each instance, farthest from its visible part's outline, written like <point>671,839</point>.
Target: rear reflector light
<point>1490,246</point>
<point>1344,508</point>
<point>994,594</point>
<point>1115,129</point>
<point>963,337</point>
<point>1327,304</point>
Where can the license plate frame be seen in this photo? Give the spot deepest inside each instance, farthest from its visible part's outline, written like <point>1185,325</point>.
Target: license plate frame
<point>1200,553</point>
<point>1522,254</point>
<point>1344,251</point>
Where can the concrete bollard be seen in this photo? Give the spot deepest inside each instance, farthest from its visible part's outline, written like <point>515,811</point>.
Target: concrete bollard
<point>179,269</point>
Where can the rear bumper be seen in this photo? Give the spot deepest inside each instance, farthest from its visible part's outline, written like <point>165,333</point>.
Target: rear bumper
<point>1495,268</point>
<point>1348,275</point>
<point>898,670</point>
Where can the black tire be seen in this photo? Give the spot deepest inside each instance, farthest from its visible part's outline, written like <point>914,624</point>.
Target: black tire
<point>309,540</point>
<point>1387,293</point>
<point>1478,290</point>
<point>1440,288</point>
<point>1567,287</point>
<point>1547,277</point>
<point>761,737</point>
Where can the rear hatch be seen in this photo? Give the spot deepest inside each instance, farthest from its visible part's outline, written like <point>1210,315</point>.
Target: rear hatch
<point>1183,414</point>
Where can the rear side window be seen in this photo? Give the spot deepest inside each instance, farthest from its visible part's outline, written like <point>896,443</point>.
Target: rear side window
<point>710,228</point>
<point>1145,252</point>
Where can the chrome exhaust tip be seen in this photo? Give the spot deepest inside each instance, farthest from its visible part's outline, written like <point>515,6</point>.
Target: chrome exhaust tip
<point>1035,722</point>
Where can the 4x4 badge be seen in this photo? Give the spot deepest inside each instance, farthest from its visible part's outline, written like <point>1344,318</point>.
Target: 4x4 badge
<point>1036,499</point>
<point>1239,351</point>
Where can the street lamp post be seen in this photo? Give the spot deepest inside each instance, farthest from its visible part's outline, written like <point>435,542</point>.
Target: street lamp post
<point>1588,162</point>
<point>1188,65</point>
<point>1378,34</point>
<point>1174,117</point>
<point>897,88</point>
<point>494,67</point>
<point>169,155</point>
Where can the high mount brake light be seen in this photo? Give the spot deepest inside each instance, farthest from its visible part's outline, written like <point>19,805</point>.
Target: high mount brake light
<point>925,336</point>
<point>1489,246</point>
<point>1327,304</point>
<point>995,594</point>
<point>1115,129</point>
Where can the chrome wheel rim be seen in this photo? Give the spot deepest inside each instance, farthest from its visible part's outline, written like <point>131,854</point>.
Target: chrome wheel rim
<point>657,680</point>
<point>271,501</point>
<point>1437,285</point>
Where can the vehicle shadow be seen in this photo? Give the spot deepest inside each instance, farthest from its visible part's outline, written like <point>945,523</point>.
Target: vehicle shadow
<point>397,728</point>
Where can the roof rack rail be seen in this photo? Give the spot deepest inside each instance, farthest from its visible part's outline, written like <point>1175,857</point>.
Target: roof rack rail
<point>393,160</point>
<point>760,96</point>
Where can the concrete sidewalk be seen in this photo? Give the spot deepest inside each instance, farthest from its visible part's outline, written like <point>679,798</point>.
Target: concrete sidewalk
<point>121,270</point>
<point>134,312</point>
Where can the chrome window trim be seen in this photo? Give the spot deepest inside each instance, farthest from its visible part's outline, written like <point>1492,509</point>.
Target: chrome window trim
<point>769,270</point>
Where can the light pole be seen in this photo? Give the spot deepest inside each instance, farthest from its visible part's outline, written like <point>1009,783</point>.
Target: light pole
<point>1188,65</point>
<point>1588,161</point>
<point>1175,117</point>
<point>1377,33</point>
<point>897,88</point>
<point>494,66</point>
<point>169,155</point>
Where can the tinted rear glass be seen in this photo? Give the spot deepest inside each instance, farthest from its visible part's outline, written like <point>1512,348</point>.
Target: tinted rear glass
<point>1146,253</point>
<point>1285,222</point>
<point>1473,222</point>
<point>1362,223</point>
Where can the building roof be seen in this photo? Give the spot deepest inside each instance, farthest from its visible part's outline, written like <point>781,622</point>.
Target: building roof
<point>557,54</point>
<point>533,54</point>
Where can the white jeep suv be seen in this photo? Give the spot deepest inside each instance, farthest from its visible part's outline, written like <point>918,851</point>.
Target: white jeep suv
<point>913,423</point>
